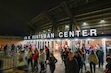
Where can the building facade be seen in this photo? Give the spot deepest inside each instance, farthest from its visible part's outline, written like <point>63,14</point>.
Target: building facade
<point>55,26</point>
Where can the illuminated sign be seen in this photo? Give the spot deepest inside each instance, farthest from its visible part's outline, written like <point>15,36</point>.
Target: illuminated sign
<point>40,36</point>
<point>77,33</point>
<point>91,32</point>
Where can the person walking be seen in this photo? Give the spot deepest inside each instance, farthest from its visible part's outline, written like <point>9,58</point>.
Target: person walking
<point>79,59</point>
<point>93,60</point>
<point>29,57</point>
<point>5,50</point>
<point>42,61</point>
<point>83,54</point>
<point>47,53</point>
<point>65,55</point>
<point>52,62</point>
<point>100,55</point>
<point>61,53</point>
<point>35,60</point>
<point>71,64</point>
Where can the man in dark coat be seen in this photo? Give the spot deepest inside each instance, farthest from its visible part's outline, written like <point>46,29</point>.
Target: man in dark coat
<point>100,55</point>
<point>71,64</point>
<point>79,59</point>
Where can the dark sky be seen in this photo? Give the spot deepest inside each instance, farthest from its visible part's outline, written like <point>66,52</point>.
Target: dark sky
<point>14,14</point>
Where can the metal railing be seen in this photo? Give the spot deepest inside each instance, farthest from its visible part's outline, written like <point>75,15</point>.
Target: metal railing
<point>9,61</point>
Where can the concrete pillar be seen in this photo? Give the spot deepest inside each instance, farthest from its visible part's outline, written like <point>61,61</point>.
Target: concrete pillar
<point>104,48</point>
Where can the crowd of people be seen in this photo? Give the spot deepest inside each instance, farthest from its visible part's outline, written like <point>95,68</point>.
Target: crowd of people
<point>34,58</point>
<point>74,61</point>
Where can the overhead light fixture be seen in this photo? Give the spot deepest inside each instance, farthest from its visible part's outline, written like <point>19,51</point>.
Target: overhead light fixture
<point>44,31</point>
<point>49,30</point>
<point>102,32</point>
<point>102,21</point>
<point>85,24</point>
<point>67,26</point>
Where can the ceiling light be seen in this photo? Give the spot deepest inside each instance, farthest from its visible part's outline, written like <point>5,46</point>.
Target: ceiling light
<point>85,23</point>
<point>49,30</point>
<point>44,31</point>
<point>67,26</point>
<point>102,21</point>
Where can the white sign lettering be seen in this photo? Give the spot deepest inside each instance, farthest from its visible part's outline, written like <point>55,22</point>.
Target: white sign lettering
<point>93,32</point>
<point>84,33</point>
<point>52,35</point>
<point>65,34</point>
<point>71,33</point>
<point>60,34</point>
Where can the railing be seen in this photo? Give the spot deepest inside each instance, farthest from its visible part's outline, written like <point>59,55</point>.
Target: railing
<point>9,61</point>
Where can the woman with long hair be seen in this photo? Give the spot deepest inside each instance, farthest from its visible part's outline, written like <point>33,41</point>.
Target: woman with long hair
<point>93,60</point>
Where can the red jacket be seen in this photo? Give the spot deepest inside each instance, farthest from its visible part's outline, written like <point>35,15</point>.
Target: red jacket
<point>35,57</point>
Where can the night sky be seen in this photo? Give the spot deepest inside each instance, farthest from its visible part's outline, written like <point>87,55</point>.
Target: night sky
<point>14,14</point>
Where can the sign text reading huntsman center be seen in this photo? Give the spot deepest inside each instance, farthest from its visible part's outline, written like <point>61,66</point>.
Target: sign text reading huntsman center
<point>77,33</point>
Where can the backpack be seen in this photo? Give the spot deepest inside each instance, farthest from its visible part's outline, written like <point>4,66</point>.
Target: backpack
<point>99,53</point>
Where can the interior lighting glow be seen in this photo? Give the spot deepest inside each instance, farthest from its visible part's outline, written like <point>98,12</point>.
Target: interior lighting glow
<point>92,39</point>
<point>85,24</point>
<point>49,30</point>
<point>88,39</point>
<point>44,31</point>
<point>76,39</point>
<point>104,39</point>
<point>102,21</point>
<point>66,39</point>
<point>51,39</point>
<point>67,26</point>
<point>45,40</point>
<point>58,39</point>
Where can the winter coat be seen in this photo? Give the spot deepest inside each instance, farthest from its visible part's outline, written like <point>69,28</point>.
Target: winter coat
<point>93,58</point>
<point>35,57</point>
<point>72,66</point>
<point>52,61</point>
<point>108,68</point>
<point>42,58</point>
<point>100,55</point>
<point>29,55</point>
<point>79,60</point>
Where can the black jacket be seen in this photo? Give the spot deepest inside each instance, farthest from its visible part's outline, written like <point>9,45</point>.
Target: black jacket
<point>72,66</point>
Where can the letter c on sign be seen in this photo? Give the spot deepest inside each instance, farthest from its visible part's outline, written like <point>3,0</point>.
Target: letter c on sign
<point>60,34</point>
